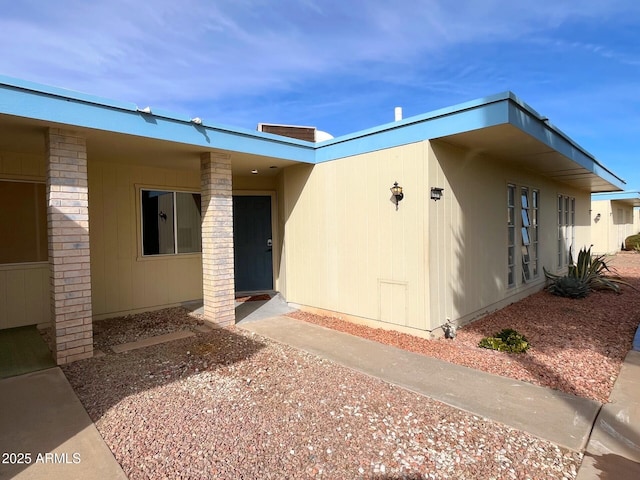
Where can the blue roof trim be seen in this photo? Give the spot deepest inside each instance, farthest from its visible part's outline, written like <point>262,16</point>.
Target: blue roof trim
<point>64,93</point>
<point>56,105</point>
<point>627,195</point>
<point>78,110</point>
<point>465,117</point>
<point>539,127</point>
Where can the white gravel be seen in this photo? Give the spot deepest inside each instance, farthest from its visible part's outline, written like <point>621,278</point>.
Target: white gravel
<point>231,405</point>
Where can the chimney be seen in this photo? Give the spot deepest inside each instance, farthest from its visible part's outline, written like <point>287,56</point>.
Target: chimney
<point>398,113</point>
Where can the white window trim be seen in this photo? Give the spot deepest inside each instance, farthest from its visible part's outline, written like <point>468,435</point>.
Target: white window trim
<point>140,239</point>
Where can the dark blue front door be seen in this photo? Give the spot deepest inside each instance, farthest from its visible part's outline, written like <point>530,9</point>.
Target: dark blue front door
<point>252,243</point>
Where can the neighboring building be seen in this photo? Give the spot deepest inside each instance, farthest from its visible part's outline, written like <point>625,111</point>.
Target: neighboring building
<point>614,217</point>
<point>109,209</point>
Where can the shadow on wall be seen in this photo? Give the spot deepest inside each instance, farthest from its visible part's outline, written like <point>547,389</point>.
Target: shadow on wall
<point>468,237</point>
<point>291,183</point>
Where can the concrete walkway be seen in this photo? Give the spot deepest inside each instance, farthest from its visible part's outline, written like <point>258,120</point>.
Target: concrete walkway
<point>45,426</point>
<point>555,416</point>
<point>41,415</point>
<point>612,451</point>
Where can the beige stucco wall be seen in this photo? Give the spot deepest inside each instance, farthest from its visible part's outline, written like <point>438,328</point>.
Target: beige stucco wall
<point>122,279</point>
<point>468,232</point>
<point>616,222</point>
<point>24,288</point>
<point>348,250</point>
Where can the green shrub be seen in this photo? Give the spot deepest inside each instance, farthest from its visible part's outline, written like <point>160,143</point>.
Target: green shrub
<point>632,243</point>
<point>569,287</point>
<point>590,272</point>
<point>507,340</point>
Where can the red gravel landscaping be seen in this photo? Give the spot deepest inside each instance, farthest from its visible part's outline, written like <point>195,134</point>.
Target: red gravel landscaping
<point>577,346</point>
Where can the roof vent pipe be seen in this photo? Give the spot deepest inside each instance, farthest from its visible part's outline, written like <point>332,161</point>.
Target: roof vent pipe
<point>398,113</point>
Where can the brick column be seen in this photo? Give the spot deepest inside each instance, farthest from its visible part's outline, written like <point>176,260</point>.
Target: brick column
<point>217,239</point>
<point>68,227</point>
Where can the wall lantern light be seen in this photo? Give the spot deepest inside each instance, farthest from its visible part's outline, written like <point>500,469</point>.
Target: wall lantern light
<point>597,219</point>
<point>396,190</point>
<point>436,193</point>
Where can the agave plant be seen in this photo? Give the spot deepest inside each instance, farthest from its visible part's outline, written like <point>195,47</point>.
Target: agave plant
<point>590,272</point>
<point>569,287</point>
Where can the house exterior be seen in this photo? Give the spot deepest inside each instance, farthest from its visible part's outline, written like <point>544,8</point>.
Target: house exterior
<point>614,217</point>
<point>111,209</point>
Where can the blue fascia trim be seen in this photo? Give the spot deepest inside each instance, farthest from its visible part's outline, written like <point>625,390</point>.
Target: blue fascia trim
<point>51,104</point>
<point>633,197</point>
<point>529,121</point>
<point>23,99</point>
<point>64,93</point>
<point>477,114</point>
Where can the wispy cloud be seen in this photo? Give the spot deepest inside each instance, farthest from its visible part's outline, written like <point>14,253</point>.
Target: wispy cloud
<point>339,65</point>
<point>198,49</point>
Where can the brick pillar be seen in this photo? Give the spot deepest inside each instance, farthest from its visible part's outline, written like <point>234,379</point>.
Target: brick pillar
<point>68,227</point>
<point>217,239</point>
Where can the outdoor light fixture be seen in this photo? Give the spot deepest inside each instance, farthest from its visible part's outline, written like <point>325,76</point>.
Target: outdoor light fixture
<point>254,171</point>
<point>396,190</point>
<point>597,219</point>
<point>197,120</point>
<point>436,193</point>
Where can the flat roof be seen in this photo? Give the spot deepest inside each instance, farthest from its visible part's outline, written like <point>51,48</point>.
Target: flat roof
<point>629,197</point>
<point>565,160</point>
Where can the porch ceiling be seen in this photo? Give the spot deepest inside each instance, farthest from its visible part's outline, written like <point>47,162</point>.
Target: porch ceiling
<point>510,144</point>
<point>631,202</point>
<point>27,136</point>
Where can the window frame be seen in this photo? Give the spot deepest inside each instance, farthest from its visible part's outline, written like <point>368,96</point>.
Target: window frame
<point>522,234</point>
<point>566,205</point>
<point>511,235</point>
<point>174,191</point>
<point>42,249</point>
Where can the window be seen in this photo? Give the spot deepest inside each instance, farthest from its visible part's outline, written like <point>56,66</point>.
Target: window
<point>527,221</point>
<point>23,210</point>
<point>170,222</point>
<point>526,239</point>
<point>566,228</point>
<point>535,207</point>
<point>511,234</point>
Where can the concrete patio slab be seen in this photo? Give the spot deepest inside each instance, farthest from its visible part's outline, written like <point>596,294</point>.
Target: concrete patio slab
<point>563,419</point>
<point>43,418</point>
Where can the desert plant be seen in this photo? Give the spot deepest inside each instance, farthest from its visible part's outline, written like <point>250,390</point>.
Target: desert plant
<point>589,272</point>
<point>506,340</point>
<point>632,243</point>
<point>569,287</point>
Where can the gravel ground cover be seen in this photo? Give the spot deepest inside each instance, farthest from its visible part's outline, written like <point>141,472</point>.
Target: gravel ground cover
<point>577,346</point>
<point>228,404</point>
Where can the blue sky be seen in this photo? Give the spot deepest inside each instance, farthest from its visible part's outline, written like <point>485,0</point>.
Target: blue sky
<point>343,66</point>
